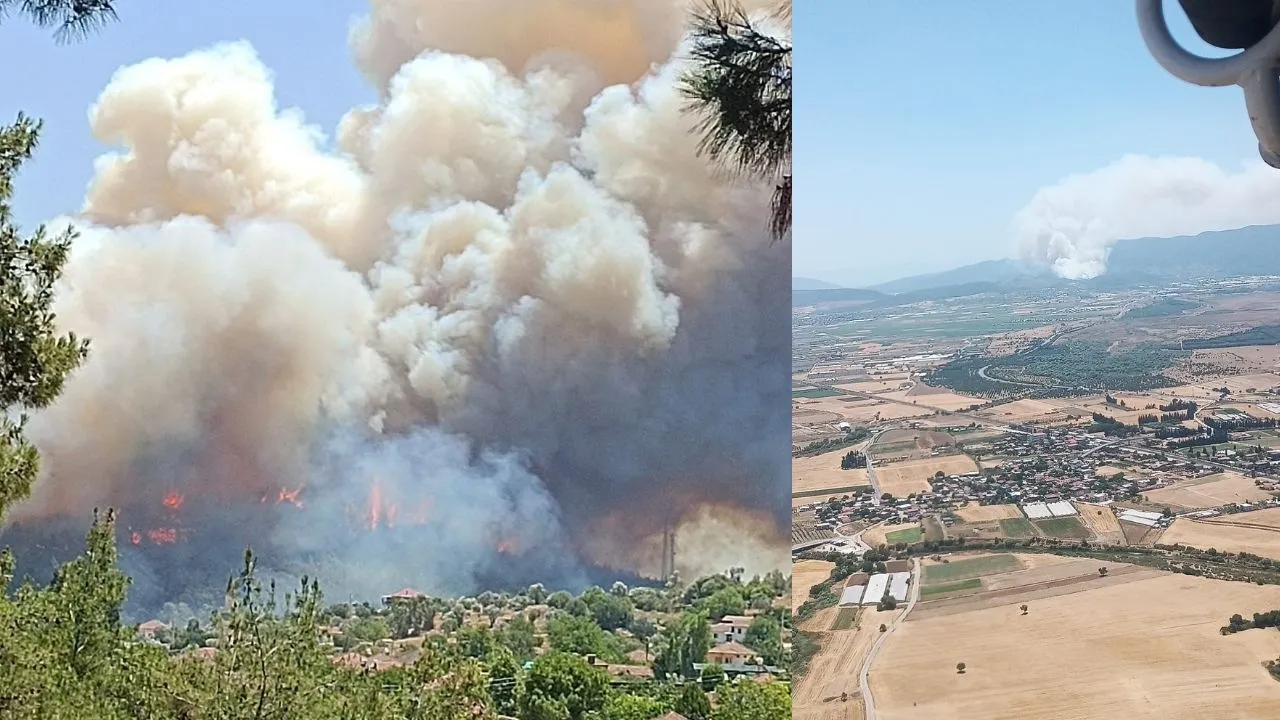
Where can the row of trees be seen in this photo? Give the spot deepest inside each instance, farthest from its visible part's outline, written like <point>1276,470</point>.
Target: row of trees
<point>64,652</point>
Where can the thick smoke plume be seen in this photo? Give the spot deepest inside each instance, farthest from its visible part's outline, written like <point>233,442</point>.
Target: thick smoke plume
<point>509,318</point>
<point>1071,226</point>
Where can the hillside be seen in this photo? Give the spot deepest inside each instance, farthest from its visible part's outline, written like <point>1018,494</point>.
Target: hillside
<point>1228,253</point>
<point>803,283</point>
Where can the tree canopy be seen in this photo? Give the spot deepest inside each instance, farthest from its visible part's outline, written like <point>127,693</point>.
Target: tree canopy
<point>69,19</point>
<point>739,88</point>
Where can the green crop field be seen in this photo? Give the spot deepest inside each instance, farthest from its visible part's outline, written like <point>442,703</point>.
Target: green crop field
<point>951,588</point>
<point>814,393</point>
<point>970,568</point>
<point>847,618</point>
<point>908,535</point>
<point>1063,527</point>
<point>1017,528</point>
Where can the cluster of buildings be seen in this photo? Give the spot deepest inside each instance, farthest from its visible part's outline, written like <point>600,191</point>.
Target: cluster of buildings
<point>864,589</point>
<point>1039,471</point>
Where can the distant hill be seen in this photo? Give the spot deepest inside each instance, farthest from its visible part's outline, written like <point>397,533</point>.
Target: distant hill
<point>987,271</point>
<point>800,297</point>
<point>802,283</point>
<point>872,298</point>
<point>1245,251</point>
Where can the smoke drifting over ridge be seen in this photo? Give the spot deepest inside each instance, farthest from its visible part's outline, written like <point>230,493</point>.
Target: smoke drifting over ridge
<point>510,316</point>
<point>1072,225</point>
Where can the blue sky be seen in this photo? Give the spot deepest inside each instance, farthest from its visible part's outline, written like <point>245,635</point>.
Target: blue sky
<point>923,127</point>
<point>58,83</point>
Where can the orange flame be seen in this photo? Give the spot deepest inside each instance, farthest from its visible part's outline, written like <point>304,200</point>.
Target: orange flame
<point>173,500</point>
<point>375,504</point>
<point>290,496</point>
<point>163,536</point>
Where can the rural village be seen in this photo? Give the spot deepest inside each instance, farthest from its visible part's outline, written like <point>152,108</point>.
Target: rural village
<point>959,502</point>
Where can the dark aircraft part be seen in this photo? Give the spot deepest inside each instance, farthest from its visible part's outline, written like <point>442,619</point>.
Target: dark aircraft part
<point>1231,24</point>
<point>1240,24</point>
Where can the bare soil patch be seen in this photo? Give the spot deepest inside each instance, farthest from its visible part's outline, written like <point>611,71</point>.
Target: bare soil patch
<point>1146,647</point>
<point>873,387</point>
<point>1260,539</point>
<point>944,400</point>
<point>903,478</point>
<point>1101,522</point>
<point>804,575</point>
<point>987,513</point>
<point>1209,491</point>
<point>822,472</point>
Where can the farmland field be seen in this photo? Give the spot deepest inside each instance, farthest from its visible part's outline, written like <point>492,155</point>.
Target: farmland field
<point>815,393</point>
<point>970,567</point>
<point>1254,532</point>
<point>1209,491</point>
<point>1018,527</point>
<point>1142,646</point>
<point>909,535</point>
<point>987,513</point>
<point>1063,527</point>
<point>815,473</point>
<point>846,618</point>
<point>1101,522</point>
<point>879,535</point>
<point>804,575</point>
<point>950,588</point>
<point>903,478</point>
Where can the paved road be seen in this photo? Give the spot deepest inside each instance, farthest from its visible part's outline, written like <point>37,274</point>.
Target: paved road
<point>868,702</point>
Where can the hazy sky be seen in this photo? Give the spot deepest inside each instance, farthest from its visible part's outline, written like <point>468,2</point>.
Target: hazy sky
<point>923,128</point>
<point>58,83</point>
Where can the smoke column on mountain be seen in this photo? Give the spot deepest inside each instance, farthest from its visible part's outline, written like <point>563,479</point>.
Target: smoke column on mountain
<point>1072,225</point>
<point>507,309</point>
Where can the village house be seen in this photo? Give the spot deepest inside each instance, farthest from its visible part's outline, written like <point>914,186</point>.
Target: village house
<point>149,629</point>
<point>731,628</point>
<point>402,595</point>
<point>731,653</point>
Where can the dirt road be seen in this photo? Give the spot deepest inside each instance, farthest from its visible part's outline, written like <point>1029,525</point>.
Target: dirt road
<point>913,595</point>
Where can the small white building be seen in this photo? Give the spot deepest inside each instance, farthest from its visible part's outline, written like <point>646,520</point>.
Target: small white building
<point>894,583</point>
<point>852,595</point>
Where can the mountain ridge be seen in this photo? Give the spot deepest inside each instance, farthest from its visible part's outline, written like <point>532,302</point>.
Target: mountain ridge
<point>1251,250</point>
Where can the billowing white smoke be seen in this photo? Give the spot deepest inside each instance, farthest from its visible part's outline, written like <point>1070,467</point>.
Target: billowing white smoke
<point>511,304</point>
<point>1071,226</point>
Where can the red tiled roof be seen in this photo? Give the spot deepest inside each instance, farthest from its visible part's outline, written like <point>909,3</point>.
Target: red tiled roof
<point>408,593</point>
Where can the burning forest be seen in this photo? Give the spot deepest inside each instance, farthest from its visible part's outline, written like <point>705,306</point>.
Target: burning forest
<point>505,326</point>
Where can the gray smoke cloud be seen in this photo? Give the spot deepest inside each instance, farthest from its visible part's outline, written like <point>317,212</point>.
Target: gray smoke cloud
<point>507,310</point>
<point>1072,225</point>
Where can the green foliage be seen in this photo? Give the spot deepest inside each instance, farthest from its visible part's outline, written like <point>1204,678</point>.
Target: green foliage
<point>1074,367</point>
<point>681,645</point>
<point>726,601</point>
<point>610,611</point>
<point>739,88</point>
<point>746,700</point>
<point>693,703</point>
<point>1261,335</point>
<point>765,637</point>
<point>1162,307</point>
<point>474,641</point>
<point>711,677</point>
<point>560,685</point>
<point>581,636</point>
<point>368,629</point>
<point>519,637</point>
<point>632,707</point>
<point>70,18</point>
<point>35,359</point>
